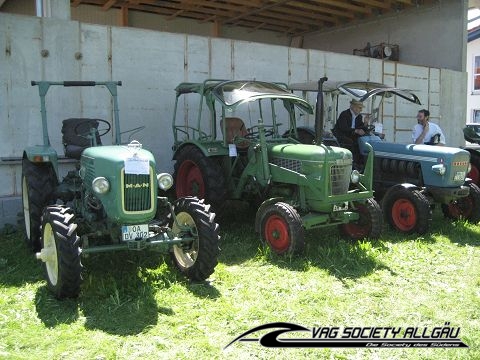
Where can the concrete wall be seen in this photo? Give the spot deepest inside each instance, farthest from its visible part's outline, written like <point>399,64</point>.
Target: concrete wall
<point>151,64</point>
<point>429,35</point>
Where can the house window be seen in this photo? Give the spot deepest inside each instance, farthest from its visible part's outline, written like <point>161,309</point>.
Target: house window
<point>476,74</point>
<point>476,116</point>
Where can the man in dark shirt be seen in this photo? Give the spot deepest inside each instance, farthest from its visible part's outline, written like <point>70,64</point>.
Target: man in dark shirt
<point>349,127</point>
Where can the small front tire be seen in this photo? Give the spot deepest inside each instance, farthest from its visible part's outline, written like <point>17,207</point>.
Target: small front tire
<point>282,229</point>
<point>368,225</point>
<point>467,208</point>
<point>60,252</point>
<point>407,211</point>
<point>196,259</point>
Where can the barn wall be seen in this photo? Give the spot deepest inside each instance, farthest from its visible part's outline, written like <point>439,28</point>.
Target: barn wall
<point>150,64</point>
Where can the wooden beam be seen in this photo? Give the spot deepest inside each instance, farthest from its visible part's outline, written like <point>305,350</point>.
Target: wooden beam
<point>108,4</point>
<point>123,16</point>
<point>174,15</point>
<point>74,3</point>
<point>217,27</point>
<point>376,3</point>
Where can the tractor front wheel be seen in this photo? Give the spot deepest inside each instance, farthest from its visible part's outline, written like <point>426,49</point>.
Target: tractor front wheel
<point>198,257</point>
<point>467,208</point>
<point>407,210</point>
<point>38,185</point>
<point>282,229</point>
<point>60,252</point>
<point>369,223</point>
<point>198,175</point>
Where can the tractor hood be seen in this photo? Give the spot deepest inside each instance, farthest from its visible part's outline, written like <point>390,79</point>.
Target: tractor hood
<point>425,152</point>
<point>129,172</point>
<point>305,152</point>
<point>117,154</point>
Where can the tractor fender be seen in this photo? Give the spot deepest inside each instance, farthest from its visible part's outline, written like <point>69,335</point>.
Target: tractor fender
<point>395,187</point>
<point>261,209</point>
<point>208,149</point>
<point>41,154</point>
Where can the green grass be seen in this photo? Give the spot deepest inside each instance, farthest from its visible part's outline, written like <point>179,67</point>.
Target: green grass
<point>136,305</point>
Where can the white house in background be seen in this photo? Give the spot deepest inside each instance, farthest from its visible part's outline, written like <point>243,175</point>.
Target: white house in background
<point>473,69</point>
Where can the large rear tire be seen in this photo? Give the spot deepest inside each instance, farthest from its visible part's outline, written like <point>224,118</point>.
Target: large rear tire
<point>196,259</point>
<point>60,252</point>
<point>467,208</point>
<point>407,210</point>
<point>198,175</point>
<point>474,172</point>
<point>38,184</point>
<point>369,225</point>
<point>281,228</point>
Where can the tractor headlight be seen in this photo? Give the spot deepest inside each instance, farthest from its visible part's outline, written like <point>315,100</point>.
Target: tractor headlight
<point>439,169</point>
<point>100,185</point>
<point>165,181</point>
<point>355,176</point>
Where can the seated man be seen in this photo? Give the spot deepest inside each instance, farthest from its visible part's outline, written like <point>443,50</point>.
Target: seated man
<point>426,132</point>
<point>349,127</point>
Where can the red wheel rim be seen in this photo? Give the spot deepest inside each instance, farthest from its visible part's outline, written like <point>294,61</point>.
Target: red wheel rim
<point>461,208</point>
<point>276,234</point>
<point>189,180</point>
<point>474,174</point>
<point>404,214</point>
<point>362,227</point>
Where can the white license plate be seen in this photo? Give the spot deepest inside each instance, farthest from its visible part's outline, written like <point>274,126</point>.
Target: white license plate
<point>341,207</point>
<point>134,232</point>
<point>459,176</point>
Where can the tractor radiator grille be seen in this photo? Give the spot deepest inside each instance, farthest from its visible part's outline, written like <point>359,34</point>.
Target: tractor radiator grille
<point>137,192</point>
<point>289,164</point>
<point>89,171</point>
<point>340,178</point>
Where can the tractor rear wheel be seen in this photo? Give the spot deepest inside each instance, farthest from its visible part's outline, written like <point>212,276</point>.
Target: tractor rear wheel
<point>38,184</point>
<point>198,175</point>
<point>60,252</point>
<point>282,229</point>
<point>196,258</point>
<point>368,225</point>
<point>407,210</point>
<point>467,208</point>
<point>474,173</point>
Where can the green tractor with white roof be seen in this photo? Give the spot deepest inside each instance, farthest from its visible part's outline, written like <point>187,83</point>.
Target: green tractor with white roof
<point>109,202</point>
<point>296,187</point>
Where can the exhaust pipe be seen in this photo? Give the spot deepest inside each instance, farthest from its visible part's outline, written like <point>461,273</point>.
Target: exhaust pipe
<point>319,112</point>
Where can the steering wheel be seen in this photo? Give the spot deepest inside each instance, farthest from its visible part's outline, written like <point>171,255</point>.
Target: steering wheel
<point>100,132</point>
<point>253,134</point>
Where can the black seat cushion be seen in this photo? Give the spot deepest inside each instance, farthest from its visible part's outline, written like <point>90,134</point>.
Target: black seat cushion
<point>74,143</point>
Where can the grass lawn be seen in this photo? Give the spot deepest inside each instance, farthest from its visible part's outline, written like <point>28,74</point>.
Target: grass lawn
<point>137,306</point>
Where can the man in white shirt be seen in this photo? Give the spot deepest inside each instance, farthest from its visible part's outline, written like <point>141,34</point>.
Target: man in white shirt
<point>426,132</point>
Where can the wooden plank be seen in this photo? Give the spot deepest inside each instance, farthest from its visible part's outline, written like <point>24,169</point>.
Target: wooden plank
<point>108,4</point>
<point>344,5</point>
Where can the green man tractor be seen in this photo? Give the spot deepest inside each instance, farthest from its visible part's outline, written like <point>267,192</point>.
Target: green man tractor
<point>109,202</point>
<point>295,187</point>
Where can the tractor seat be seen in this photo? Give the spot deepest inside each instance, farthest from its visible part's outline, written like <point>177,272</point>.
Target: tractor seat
<point>470,135</point>
<point>74,144</point>
<point>235,126</point>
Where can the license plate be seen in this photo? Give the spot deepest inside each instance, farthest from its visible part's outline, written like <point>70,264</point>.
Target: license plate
<point>459,176</point>
<point>342,207</point>
<point>134,232</point>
